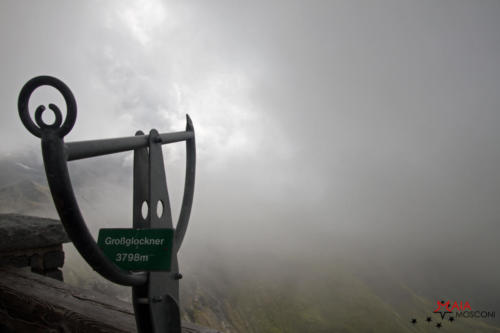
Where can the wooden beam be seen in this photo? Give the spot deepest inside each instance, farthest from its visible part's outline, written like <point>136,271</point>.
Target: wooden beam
<point>18,232</point>
<point>34,303</point>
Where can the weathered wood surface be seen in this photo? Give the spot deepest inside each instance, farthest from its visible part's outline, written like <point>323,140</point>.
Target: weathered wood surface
<point>32,241</point>
<point>34,303</point>
<point>19,232</point>
<point>39,258</point>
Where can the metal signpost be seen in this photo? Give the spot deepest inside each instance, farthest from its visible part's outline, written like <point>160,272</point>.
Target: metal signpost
<point>145,256</point>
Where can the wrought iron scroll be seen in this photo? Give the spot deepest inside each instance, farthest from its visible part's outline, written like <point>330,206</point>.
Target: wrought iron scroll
<point>155,294</point>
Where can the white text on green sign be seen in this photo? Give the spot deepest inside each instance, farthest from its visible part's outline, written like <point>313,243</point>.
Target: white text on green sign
<point>138,249</point>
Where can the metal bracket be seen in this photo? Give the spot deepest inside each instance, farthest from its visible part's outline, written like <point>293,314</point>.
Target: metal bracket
<point>155,295</point>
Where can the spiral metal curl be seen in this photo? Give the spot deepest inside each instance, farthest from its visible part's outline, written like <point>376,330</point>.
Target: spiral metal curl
<point>60,128</point>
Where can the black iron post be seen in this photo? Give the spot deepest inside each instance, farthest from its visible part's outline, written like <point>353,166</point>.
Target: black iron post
<point>155,294</point>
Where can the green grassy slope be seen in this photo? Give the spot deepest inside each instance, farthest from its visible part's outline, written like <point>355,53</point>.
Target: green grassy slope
<point>318,298</point>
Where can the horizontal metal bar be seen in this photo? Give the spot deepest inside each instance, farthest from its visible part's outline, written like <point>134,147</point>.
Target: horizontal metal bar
<point>90,148</point>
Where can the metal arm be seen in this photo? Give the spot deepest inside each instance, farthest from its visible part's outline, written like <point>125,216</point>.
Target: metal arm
<point>69,212</point>
<point>54,158</point>
<point>56,154</point>
<point>91,148</point>
<point>187,200</point>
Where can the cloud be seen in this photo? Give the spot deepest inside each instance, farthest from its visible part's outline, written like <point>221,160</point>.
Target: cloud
<point>142,18</point>
<point>371,125</point>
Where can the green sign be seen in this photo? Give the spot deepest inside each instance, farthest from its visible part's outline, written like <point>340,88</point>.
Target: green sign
<point>138,249</point>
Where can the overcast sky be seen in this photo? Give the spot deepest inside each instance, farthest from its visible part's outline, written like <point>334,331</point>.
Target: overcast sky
<point>372,121</point>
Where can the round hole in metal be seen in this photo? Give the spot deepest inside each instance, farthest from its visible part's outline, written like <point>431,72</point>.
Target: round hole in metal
<point>144,209</point>
<point>49,117</point>
<point>159,208</point>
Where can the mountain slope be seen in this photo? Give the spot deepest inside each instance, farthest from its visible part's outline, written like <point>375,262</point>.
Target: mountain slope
<point>318,297</point>
<point>25,197</point>
<point>256,291</point>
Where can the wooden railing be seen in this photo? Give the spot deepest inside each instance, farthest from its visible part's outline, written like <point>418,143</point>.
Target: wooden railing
<point>41,302</point>
<point>34,242</point>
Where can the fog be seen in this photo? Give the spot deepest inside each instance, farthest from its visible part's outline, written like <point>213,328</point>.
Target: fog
<point>360,129</point>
